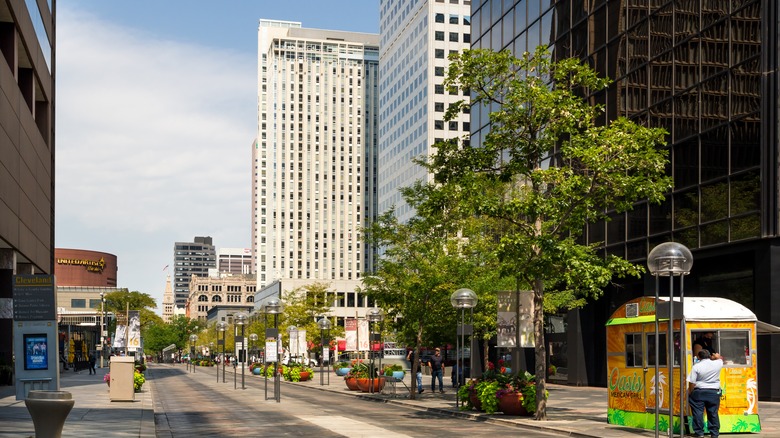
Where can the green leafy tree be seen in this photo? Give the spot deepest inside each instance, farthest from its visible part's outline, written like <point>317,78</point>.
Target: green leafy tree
<point>424,261</point>
<point>118,302</point>
<point>545,170</point>
<point>303,307</point>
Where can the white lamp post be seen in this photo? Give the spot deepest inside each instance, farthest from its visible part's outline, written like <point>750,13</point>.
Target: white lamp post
<point>375,316</point>
<point>462,299</point>
<point>670,259</point>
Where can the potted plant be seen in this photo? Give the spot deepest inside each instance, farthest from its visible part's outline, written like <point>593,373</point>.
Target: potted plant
<point>394,370</point>
<point>107,379</point>
<point>138,381</point>
<point>296,372</point>
<point>518,395</point>
<point>341,368</point>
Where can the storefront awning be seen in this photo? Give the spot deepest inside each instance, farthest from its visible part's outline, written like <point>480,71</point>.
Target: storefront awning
<point>764,328</point>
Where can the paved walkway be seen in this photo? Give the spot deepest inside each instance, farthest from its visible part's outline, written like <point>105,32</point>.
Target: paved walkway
<point>572,411</point>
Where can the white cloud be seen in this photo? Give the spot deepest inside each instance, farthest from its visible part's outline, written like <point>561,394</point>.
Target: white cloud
<point>153,145</point>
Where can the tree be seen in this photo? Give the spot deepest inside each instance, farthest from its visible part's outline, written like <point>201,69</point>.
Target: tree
<point>424,261</point>
<point>118,302</point>
<point>545,170</point>
<point>304,305</point>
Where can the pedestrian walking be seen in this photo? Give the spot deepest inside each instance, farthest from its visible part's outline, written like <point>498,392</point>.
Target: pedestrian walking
<point>704,392</point>
<point>436,362</point>
<point>92,361</point>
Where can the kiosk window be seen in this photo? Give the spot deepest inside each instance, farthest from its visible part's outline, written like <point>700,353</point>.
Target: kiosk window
<point>734,346</point>
<point>662,349</point>
<point>633,349</point>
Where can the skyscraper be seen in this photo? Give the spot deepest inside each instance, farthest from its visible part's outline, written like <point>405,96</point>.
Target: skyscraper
<point>416,39</point>
<point>235,261</point>
<point>707,73</point>
<point>313,185</point>
<point>191,258</point>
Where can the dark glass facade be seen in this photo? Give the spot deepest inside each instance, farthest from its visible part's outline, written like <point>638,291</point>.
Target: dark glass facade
<point>705,71</point>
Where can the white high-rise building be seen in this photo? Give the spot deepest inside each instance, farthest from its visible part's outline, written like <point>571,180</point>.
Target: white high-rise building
<point>416,39</point>
<point>314,157</point>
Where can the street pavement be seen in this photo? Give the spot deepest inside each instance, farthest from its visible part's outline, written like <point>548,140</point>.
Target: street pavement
<point>572,411</point>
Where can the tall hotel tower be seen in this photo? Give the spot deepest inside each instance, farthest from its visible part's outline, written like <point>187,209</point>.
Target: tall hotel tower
<point>416,38</point>
<point>314,158</point>
<point>191,258</point>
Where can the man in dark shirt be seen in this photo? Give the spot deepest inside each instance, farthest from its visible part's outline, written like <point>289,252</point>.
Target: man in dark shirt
<point>437,370</point>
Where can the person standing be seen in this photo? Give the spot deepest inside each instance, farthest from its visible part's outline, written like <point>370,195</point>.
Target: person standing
<point>436,363</point>
<point>410,358</point>
<point>704,392</point>
<point>92,360</point>
<point>704,342</point>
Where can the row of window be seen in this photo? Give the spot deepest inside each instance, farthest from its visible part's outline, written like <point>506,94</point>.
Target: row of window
<point>453,19</point>
<point>452,125</point>
<point>454,37</point>
<point>81,303</point>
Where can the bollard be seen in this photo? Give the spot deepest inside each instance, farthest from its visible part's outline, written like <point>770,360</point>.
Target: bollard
<point>48,410</point>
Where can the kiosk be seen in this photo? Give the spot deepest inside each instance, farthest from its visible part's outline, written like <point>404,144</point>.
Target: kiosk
<point>631,361</point>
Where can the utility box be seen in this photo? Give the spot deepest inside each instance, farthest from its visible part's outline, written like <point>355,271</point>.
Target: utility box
<point>121,379</point>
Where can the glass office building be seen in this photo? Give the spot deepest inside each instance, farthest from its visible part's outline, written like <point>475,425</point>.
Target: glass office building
<point>705,70</point>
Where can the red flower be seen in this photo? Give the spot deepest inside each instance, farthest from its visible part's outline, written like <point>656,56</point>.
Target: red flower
<point>491,366</point>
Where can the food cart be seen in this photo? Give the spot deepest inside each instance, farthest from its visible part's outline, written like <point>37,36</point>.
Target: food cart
<point>631,361</point>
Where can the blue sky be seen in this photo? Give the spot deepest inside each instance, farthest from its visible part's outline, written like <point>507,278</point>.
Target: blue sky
<point>155,117</point>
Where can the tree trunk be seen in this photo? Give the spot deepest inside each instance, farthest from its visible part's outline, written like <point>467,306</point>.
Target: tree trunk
<point>416,362</point>
<point>540,355</point>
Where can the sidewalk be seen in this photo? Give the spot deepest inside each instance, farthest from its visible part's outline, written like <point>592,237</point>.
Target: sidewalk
<point>93,412</point>
<point>573,411</point>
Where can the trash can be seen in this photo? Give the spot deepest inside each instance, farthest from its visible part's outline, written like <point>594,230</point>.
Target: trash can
<point>48,410</point>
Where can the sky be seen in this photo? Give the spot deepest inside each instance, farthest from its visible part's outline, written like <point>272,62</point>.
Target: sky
<point>156,113</point>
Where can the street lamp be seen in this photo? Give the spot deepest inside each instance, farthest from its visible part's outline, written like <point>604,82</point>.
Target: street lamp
<point>193,340</point>
<point>462,299</point>
<point>102,328</point>
<point>275,307</point>
<point>374,316</point>
<point>324,325</point>
<point>292,332</point>
<point>241,319</point>
<point>222,327</point>
<point>670,259</point>
<point>252,339</point>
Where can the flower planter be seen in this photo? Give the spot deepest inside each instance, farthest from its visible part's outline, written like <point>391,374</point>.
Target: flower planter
<point>351,383</point>
<point>474,400</point>
<point>305,375</point>
<point>365,384</point>
<point>398,375</point>
<point>342,371</point>
<point>512,404</point>
<point>257,371</point>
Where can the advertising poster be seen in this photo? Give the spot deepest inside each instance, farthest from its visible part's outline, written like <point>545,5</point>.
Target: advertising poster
<point>36,352</point>
<point>350,331</point>
<point>119,336</point>
<point>508,325</point>
<point>362,335</point>
<point>134,331</point>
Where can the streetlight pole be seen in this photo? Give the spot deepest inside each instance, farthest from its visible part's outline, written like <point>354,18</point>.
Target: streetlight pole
<point>102,328</point>
<point>462,299</point>
<point>241,319</point>
<point>275,307</point>
<point>193,340</point>
<point>670,259</point>
<point>222,327</point>
<point>374,316</point>
<point>324,325</point>
<point>252,340</point>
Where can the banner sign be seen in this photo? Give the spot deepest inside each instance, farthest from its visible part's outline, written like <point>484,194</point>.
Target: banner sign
<point>508,326</point>
<point>134,334</point>
<point>350,331</point>
<point>362,335</point>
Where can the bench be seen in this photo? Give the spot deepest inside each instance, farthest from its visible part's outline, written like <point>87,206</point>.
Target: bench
<point>393,382</point>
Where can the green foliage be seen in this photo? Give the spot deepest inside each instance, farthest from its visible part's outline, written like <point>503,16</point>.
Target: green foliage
<point>138,381</point>
<point>340,364</point>
<point>359,370</point>
<point>542,205</point>
<point>388,370</point>
<point>486,393</point>
<point>292,372</point>
<point>303,306</point>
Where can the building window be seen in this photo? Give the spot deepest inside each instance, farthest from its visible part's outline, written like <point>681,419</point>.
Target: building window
<point>454,37</point>
<point>438,107</point>
<point>454,19</point>
<point>439,18</point>
<point>633,349</point>
<point>439,53</point>
<point>438,88</point>
<point>438,35</point>
<point>438,124</point>
<point>78,303</point>
<point>438,71</point>
<point>466,37</point>
<point>453,126</point>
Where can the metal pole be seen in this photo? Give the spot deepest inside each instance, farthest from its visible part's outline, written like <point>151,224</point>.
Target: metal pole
<point>670,355</point>
<point>683,359</point>
<point>655,359</point>
<point>322,356</point>
<point>243,356</point>
<point>223,357</point>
